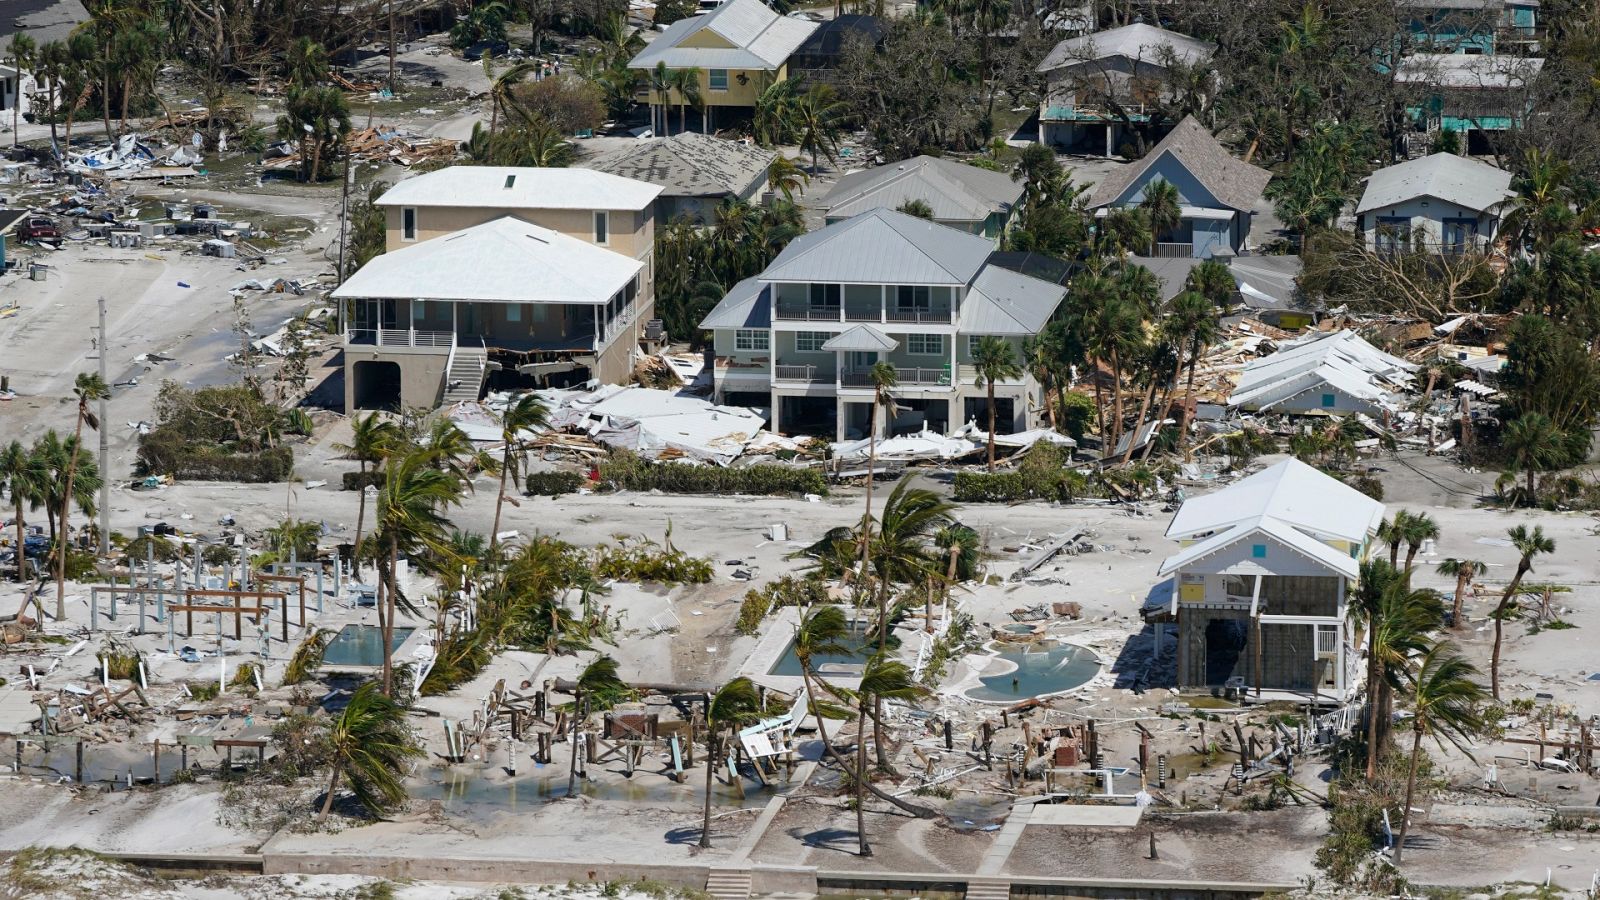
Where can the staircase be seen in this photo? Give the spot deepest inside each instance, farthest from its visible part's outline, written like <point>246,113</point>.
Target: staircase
<point>988,889</point>
<point>463,380</point>
<point>729,884</point>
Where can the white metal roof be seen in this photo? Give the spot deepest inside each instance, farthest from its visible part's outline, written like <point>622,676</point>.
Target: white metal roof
<point>503,261</point>
<point>882,246</point>
<point>760,38</point>
<point>1468,71</point>
<point>1005,302</point>
<point>1291,492</point>
<point>1340,358</point>
<point>1442,176</point>
<point>1145,43</point>
<point>954,190</point>
<point>863,338</point>
<point>747,305</point>
<point>521,187</point>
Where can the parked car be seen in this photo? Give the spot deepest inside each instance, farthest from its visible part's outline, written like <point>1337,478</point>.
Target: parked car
<point>38,227</point>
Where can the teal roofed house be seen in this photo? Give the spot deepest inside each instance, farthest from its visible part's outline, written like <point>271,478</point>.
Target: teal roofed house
<point>1101,86</point>
<point>1217,194</point>
<point>1472,26</point>
<point>1473,95</point>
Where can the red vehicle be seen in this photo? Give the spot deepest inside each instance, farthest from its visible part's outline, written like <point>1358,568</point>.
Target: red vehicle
<point>38,227</point>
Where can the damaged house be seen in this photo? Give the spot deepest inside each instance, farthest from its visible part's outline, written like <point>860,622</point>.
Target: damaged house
<point>1334,373</point>
<point>544,272</point>
<point>1259,584</point>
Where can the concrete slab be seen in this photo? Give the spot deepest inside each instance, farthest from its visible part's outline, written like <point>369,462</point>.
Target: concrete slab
<point>1079,816</point>
<point>18,715</point>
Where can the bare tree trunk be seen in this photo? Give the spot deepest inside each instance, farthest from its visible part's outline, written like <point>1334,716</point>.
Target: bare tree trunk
<point>861,781</point>
<point>991,423</point>
<point>66,514</point>
<point>361,516</point>
<point>327,802</point>
<point>711,764</point>
<point>1461,592</point>
<point>1411,788</point>
<point>499,500</point>
<point>921,812</point>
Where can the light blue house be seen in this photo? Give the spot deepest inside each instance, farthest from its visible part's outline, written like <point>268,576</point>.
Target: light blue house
<point>1217,194</point>
<point>1472,26</point>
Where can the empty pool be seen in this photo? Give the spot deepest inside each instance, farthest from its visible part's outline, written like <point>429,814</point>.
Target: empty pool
<point>358,646</point>
<point>1043,669</point>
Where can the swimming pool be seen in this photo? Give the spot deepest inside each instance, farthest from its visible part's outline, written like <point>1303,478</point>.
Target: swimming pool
<point>358,646</point>
<point>858,647</point>
<point>1043,668</point>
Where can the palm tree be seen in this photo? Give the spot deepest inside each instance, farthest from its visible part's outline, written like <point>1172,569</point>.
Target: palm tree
<point>502,89</point>
<point>734,705</point>
<point>1445,701</point>
<point>1117,334</point>
<point>786,177</point>
<point>884,379</point>
<point>1214,280</point>
<point>1161,207</point>
<point>371,438</point>
<point>22,50</point>
<point>994,359</point>
<point>1419,527</point>
<point>1397,620</point>
<point>407,516</point>
<point>598,687</point>
<point>687,83</point>
<point>882,678</point>
<point>1464,571</point>
<point>370,742</point>
<point>1191,324</point>
<point>1393,532</point>
<point>526,414</point>
<point>88,388</point>
<point>816,114</point>
<point>1529,544</point>
<point>51,63</point>
<point>661,85</point>
<point>1534,444</point>
<point>23,475</point>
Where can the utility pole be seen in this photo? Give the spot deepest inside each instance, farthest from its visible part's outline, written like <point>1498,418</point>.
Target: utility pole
<point>344,215</point>
<point>105,441</point>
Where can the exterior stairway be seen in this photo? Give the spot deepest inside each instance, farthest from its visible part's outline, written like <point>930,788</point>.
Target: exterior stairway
<point>464,380</point>
<point>979,888</point>
<point>729,884</point>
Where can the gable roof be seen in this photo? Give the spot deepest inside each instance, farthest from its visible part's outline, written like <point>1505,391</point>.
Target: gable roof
<point>690,164</point>
<point>882,247</point>
<point>1234,183</point>
<point>1270,526</point>
<point>747,305</point>
<point>520,187</point>
<point>760,39</point>
<point>864,338</point>
<point>1005,302</point>
<point>1342,359</point>
<point>1145,43</point>
<point>1291,492</point>
<point>955,191</point>
<point>505,261</point>
<point>1442,176</point>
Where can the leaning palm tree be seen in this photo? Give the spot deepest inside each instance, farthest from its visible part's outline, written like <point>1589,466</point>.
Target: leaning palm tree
<point>884,379</point>
<point>21,50</point>
<point>903,550</point>
<point>1529,544</point>
<point>598,687</point>
<point>882,678</point>
<point>370,743</point>
<point>370,439</point>
<point>994,359</point>
<point>1393,532</point>
<point>816,115</point>
<point>1445,703</point>
<point>88,387</point>
<point>23,475</point>
<point>1464,570</point>
<point>1161,206</point>
<point>408,516</point>
<point>785,177</point>
<point>734,705</point>
<point>1191,324</point>
<point>1397,620</point>
<point>1419,528</point>
<point>521,417</point>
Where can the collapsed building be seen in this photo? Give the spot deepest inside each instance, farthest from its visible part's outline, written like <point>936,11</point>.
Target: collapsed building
<point>1325,372</point>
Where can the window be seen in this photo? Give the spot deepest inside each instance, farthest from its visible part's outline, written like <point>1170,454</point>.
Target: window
<point>1459,235</point>
<point>972,344</point>
<point>810,341</point>
<point>824,295</point>
<point>1329,401</point>
<point>925,344</point>
<point>1258,551</point>
<point>408,223</point>
<point>1393,235</point>
<point>419,310</point>
<point>718,79</point>
<point>749,339</point>
<point>913,297</point>
<point>514,312</point>
<point>602,228</point>
<point>511,182</point>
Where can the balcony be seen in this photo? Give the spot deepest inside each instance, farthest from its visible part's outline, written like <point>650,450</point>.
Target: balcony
<point>802,375</point>
<point>907,377</point>
<point>400,337</point>
<point>805,312</point>
<point>875,313</point>
<point>1174,250</point>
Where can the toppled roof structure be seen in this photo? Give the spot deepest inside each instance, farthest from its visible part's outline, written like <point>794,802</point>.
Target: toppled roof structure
<point>689,164</point>
<point>1333,372</point>
<point>656,424</point>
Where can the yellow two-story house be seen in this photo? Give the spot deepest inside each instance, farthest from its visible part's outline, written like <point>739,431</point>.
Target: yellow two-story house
<point>494,271</point>
<point>738,49</point>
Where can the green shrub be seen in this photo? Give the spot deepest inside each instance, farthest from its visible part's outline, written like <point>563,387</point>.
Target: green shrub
<point>650,563</point>
<point>1042,474</point>
<point>204,690</point>
<point>355,481</point>
<point>165,452</point>
<point>991,487</point>
<point>122,661</point>
<point>789,590</point>
<point>554,484</point>
<point>626,470</point>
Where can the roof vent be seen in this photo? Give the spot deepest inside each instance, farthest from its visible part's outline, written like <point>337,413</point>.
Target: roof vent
<point>511,182</point>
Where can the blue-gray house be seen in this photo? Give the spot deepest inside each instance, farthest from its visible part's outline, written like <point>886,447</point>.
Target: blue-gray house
<point>1216,193</point>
